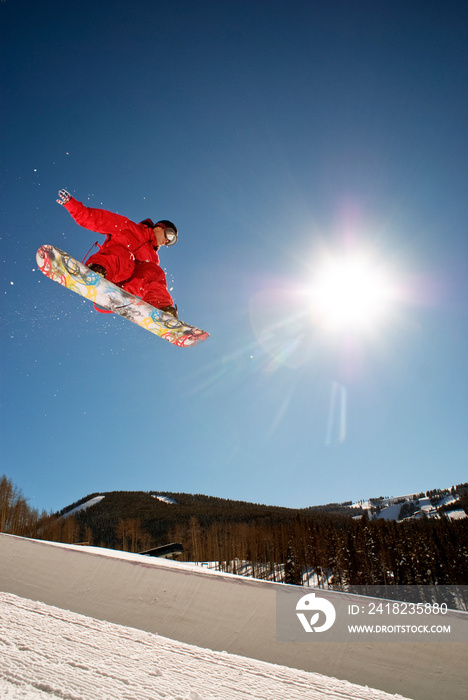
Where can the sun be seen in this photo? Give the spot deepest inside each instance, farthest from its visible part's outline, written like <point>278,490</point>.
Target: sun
<point>350,293</point>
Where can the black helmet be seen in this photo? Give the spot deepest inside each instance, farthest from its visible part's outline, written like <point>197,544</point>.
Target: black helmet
<point>167,224</point>
<point>170,231</point>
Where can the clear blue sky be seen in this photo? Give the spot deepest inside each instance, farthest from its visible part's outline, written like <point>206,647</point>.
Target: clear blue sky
<point>272,133</point>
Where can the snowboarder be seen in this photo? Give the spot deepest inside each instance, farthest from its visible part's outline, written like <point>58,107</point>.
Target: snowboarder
<point>129,255</point>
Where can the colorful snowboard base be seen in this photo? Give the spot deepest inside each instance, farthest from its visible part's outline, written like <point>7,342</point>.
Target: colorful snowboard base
<point>70,273</point>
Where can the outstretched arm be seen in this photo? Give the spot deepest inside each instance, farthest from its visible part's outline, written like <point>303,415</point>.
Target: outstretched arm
<point>98,220</point>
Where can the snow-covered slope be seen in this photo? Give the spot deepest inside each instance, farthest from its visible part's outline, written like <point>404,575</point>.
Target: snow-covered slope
<point>52,653</point>
<point>391,508</point>
<point>85,506</point>
<point>456,514</point>
<point>165,499</point>
<point>211,610</point>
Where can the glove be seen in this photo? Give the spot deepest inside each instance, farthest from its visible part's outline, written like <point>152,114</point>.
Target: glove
<point>64,197</point>
<point>172,310</point>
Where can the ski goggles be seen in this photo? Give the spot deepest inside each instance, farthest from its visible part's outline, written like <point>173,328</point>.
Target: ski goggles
<point>169,232</point>
<point>171,236</point>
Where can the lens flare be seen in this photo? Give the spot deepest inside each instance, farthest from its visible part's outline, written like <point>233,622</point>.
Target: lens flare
<point>337,414</point>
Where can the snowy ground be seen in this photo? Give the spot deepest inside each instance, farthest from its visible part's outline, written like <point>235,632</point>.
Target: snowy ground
<point>46,652</point>
<point>140,627</point>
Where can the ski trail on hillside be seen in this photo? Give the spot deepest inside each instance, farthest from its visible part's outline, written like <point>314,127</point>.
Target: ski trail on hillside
<point>47,652</point>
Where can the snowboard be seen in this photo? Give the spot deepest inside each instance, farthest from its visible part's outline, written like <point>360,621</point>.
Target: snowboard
<point>62,268</point>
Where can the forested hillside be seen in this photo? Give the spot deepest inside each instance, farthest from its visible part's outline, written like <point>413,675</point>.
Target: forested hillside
<point>300,546</point>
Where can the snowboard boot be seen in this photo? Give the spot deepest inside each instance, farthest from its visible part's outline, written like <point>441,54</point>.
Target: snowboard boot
<point>98,268</point>
<point>169,310</point>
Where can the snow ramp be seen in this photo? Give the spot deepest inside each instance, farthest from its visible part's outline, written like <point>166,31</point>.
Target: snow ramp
<point>220,612</point>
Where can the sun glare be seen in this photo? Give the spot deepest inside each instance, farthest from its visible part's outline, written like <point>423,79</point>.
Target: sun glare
<point>350,293</point>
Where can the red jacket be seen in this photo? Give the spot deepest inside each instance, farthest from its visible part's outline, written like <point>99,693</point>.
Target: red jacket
<point>137,238</point>
<point>128,254</point>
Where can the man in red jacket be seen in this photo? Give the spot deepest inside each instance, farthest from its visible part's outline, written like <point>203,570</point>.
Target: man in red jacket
<point>129,255</point>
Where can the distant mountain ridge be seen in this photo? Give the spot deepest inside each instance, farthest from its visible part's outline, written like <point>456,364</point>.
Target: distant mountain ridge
<point>434,503</point>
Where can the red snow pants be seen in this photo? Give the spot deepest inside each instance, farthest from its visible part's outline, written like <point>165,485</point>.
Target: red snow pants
<point>143,279</point>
